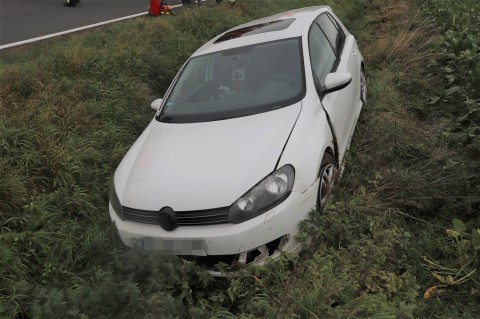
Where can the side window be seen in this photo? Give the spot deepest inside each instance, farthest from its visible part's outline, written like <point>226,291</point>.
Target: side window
<point>332,30</point>
<point>322,56</point>
<point>340,40</point>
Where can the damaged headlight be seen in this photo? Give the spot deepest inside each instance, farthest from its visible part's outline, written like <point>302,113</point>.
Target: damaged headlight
<point>268,193</point>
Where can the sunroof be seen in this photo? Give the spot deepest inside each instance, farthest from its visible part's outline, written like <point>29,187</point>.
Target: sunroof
<point>256,29</point>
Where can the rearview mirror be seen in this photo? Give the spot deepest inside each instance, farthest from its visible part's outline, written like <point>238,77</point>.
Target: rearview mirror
<point>156,104</point>
<point>336,81</point>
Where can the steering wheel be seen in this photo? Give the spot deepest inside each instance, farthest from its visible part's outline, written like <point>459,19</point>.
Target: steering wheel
<point>293,82</point>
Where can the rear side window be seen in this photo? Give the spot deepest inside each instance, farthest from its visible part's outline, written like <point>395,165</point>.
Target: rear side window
<point>332,31</point>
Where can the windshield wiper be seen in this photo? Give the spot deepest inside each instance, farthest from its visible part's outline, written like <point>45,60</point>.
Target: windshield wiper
<point>166,119</point>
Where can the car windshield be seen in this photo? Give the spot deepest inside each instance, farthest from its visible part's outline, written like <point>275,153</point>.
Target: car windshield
<point>237,82</point>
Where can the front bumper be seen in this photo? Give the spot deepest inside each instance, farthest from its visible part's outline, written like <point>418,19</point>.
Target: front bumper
<point>223,239</point>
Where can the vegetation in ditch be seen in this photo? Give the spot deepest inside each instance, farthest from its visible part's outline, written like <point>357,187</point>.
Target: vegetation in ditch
<point>459,64</point>
<point>69,110</point>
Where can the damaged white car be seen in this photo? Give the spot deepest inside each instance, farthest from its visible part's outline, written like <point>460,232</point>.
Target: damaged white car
<point>246,142</point>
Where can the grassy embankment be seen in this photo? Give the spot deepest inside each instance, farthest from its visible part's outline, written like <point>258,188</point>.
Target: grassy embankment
<point>70,109</point>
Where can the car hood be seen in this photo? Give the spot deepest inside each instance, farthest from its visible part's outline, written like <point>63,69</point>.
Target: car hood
<point>200,166</point>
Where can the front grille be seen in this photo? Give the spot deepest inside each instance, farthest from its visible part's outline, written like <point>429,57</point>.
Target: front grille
<point>186,218</point>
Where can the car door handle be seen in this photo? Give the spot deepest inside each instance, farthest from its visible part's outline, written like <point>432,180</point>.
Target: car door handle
<point>354,52</point>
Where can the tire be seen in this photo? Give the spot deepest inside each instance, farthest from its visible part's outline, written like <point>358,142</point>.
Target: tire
<point>363,86</point>
<point>327,177</point>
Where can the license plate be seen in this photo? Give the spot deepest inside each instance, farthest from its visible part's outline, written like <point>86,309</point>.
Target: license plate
<point>195,247</point>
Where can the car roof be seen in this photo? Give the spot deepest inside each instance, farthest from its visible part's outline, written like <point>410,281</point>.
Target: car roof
<point>283,25</point>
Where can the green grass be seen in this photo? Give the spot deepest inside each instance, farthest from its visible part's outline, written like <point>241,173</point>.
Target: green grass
<point>70,109</point>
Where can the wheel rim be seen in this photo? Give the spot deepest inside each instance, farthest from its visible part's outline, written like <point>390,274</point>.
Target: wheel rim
<point>326,183</point>
<point>363,88</point>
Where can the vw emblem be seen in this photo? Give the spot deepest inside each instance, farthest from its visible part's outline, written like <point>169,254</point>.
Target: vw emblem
<point>167,219</point>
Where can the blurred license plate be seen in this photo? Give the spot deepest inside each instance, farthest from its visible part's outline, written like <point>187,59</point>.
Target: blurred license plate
<point>195,247</point>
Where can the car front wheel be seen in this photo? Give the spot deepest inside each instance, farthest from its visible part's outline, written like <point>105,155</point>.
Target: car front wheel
<point>328,173</point>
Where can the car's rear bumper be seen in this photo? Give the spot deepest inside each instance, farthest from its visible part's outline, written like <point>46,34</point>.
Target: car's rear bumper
<point>223,239</point>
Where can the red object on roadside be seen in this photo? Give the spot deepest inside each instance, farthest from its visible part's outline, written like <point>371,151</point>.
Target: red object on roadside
<point>154,9</point>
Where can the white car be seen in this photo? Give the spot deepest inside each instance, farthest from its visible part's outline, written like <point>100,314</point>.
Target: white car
<point>247,140</point>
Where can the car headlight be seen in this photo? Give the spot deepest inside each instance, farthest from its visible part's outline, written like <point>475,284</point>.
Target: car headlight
<point>268,193</point>
<point>114,201</point>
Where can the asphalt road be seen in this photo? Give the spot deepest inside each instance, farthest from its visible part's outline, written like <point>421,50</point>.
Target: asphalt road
<point>22,20</point>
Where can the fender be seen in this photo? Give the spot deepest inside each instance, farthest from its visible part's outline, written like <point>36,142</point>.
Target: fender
<point>307,143</point>
<point>332,129</point>
<point>330,124</point>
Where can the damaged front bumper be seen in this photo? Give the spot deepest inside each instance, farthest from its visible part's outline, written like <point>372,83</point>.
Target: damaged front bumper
<point>254,241</point>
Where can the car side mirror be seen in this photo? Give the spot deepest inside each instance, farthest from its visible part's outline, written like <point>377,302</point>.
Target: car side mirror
<point>336,81</point>
<point>156,104</point>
